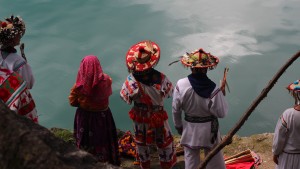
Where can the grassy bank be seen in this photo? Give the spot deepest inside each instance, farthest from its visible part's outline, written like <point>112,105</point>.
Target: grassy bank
<point>259,143</point>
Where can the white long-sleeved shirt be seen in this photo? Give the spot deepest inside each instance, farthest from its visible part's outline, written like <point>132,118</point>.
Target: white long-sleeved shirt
<point>185,99</point>
<point>287,133</point>
<point>15,62</point>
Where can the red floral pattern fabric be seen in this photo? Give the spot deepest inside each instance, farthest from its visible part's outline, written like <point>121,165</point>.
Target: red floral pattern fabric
<point>14,93</point>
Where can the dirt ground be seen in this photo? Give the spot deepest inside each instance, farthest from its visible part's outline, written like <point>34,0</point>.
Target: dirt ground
<point>261,144</point>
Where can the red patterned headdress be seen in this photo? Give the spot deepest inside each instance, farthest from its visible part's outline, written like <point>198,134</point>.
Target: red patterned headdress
<point>199,59</point>
<point>142,56</point>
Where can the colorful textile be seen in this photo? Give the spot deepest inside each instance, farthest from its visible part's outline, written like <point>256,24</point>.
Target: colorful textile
<point>89,75</point>
<point>130,90</point>
<point>167,156</point>
<point>11,28</point>
<point>90,103</point>
<point>243,160</point>
<point>294,89</point>
<point>14,93</point>
<point>96,133</point>
<point>94,126</point>
<point>127,146</point>
<point>16,63</point>
<point>150,119</point>
<point>142,56</point>
<point>295,86</point>
<point>199,59</point>
<point>242,165</point>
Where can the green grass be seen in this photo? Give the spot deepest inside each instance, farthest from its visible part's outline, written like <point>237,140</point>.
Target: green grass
<point>64,134</point>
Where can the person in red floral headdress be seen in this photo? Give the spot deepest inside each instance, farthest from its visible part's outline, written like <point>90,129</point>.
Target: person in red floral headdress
<point>147,88</point>
<point>11,32</point>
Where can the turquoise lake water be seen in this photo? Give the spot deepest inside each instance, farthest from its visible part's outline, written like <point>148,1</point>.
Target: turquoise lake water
<point>253,38</point>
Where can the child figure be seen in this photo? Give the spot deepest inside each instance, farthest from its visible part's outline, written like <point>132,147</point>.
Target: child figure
<point>94,126</point>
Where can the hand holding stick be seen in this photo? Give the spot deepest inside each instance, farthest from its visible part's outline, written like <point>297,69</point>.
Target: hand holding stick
<point>22,46</point>
<point>224,82</point>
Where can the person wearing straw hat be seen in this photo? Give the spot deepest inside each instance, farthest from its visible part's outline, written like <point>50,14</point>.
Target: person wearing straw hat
<point>202,103</point>
<point>286,141</point>
<point>147,88</point>
<point>11,32</point>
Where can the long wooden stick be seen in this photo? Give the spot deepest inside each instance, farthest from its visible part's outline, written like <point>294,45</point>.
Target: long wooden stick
<point>228,139</point>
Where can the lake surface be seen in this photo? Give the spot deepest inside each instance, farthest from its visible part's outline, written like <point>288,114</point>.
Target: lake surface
<point>253,38</point>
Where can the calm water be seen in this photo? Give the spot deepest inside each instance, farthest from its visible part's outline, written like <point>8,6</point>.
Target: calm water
<point>253,38</point>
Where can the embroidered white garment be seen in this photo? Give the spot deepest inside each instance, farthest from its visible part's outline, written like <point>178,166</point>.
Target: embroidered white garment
<point>185,99</point>
<point>15,62</point>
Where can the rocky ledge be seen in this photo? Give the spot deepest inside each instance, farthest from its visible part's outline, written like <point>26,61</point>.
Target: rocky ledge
<point>26,145</point>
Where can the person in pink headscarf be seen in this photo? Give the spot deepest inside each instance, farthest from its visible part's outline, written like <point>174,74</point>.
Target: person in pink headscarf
<point>94,126</point>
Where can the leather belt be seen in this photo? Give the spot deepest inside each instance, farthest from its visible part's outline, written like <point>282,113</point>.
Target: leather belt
<point>192,119</point>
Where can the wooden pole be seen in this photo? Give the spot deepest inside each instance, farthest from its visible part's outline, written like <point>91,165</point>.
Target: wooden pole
<point>228,138</point>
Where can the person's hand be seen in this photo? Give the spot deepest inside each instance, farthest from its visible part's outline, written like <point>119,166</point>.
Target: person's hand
<point>275,159</point>
<point>179,130</point>
<point>222,87</point>
<point>224,82</point>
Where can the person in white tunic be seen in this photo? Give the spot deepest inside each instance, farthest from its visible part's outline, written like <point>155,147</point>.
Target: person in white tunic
<point>286,141</point>
<point>11,32</point>
<point>202,103</point>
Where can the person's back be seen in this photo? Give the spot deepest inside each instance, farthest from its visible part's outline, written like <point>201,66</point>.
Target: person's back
<point>292,118</point>
<point>94,126</point>
<point>195,105</point>
<point>202,103</point>
<point>147,88</point>
<point>97,100</point>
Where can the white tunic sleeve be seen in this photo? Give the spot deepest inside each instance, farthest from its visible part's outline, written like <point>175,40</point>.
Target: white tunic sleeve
<point>177,108</point>
<point>26,72</point>
<point>167,87</point>
<point>219,106</point>
<point>280,136</point>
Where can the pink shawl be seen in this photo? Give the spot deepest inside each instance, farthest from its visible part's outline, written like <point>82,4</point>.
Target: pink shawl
<point>90,78</point>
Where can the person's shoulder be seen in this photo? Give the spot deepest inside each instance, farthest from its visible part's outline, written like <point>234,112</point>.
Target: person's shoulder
<point>106,76</point>
<point>16,56</point>
<point>183,80</point>
<point>288,112</point>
